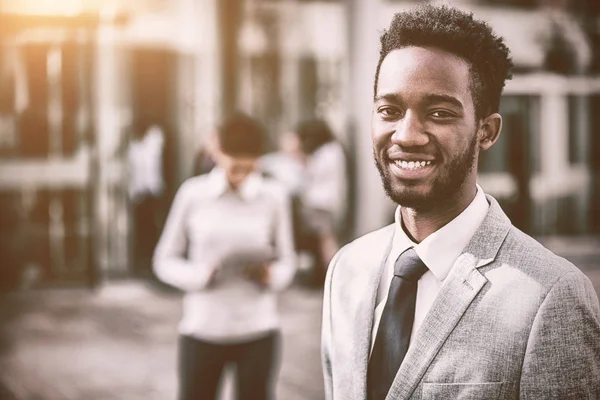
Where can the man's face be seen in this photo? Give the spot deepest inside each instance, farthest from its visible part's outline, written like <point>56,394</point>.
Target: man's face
<point>423,128</point>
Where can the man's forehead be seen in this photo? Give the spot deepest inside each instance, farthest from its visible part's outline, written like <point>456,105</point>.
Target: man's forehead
<point>417,57</point>
<point>426,68</point>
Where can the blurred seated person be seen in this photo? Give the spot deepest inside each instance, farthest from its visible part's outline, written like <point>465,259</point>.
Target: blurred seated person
<point>322,196</point>
<point>228,244</point>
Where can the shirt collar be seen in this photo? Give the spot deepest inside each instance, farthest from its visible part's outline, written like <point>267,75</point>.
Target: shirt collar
<point>440,249</point>
<point>248,190</point>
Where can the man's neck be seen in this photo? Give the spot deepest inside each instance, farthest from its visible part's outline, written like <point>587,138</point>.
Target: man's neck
<point>419,224</point>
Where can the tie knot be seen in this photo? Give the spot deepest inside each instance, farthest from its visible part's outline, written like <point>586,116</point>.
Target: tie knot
<point>409,266</point>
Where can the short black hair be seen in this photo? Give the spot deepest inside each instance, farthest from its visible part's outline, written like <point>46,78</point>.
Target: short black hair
<point>456,32</point>
<point>313,133</point>
<point>241,135</point>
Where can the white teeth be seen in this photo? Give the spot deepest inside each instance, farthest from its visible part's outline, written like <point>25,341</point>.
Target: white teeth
<point>412,164</point>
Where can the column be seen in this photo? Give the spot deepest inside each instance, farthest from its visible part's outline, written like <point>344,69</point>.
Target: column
<point>107,127</point>
<point>372,207</point>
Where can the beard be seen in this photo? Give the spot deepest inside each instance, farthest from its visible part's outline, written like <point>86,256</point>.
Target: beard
<point>445,186</point>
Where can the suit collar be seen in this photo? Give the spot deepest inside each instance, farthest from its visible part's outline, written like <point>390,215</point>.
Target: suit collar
<point>490,235</point>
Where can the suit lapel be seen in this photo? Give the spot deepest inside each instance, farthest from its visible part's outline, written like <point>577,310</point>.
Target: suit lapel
<point>454,298</point>
<point>457,292</point>
<point>367,280</point>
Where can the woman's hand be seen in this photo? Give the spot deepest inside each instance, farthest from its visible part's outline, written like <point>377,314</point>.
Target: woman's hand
<point>259,274</point>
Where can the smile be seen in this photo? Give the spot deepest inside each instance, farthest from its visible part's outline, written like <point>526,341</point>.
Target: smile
<point>411,165</point>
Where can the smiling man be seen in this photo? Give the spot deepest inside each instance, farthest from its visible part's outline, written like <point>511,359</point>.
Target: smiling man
<point>451,301</point>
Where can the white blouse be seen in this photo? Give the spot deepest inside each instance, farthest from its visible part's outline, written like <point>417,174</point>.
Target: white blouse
<point>208,224</point>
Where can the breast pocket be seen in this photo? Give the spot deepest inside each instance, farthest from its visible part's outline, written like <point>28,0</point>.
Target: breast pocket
<point>462,391</point>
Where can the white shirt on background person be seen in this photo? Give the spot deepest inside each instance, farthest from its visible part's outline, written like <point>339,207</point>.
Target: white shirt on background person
<point>208,221</point>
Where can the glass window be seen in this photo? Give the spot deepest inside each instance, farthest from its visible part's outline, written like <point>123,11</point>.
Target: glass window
<point>594,146</point>
<point>33,126</point>
<point>308,71</point>
<point>578,129</point>
<point>25,129</point>
<point>516,149</point>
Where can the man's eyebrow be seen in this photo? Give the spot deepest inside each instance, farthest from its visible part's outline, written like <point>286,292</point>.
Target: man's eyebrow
<point>442,98</point>
<point>428,99</point>
<point>391,97</point>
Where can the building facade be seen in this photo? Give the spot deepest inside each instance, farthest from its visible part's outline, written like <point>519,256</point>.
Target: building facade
<point>79,85</point>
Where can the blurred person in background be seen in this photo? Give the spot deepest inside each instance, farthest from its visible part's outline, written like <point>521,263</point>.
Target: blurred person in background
<point>451,301</point>
<point>146,187</point>
<point>286,164</point>
<point>227,243</point>
<point>322,197</point>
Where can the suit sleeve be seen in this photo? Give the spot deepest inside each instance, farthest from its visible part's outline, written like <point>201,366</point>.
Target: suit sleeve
<point>326,330</point>
<point>562,360</point>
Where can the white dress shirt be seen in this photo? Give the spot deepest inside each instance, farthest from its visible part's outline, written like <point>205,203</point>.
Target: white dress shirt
<point>208,222</point>
<point>438,251</point>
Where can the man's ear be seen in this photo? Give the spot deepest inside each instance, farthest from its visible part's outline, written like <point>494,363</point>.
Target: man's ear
<point>489,131</point>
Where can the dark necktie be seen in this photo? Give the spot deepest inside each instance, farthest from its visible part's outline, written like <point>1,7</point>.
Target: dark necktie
<point>395,326</point>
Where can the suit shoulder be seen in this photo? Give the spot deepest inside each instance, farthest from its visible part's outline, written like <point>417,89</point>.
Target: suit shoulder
<point>362,250</point>
<point>357,259</point>
<point>369,240</point>
<point>522,250</point>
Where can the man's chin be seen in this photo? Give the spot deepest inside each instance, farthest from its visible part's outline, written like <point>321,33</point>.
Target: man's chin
<point>414,202</point>
<point>418,199</point>
<point>407,193</point>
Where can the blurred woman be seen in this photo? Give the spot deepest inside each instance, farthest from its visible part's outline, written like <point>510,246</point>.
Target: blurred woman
<point>228,244</point>
<point>323,198</point>
<point>146,188</point>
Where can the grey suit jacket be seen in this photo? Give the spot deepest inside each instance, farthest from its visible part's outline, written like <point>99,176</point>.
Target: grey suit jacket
<point>512,320</point>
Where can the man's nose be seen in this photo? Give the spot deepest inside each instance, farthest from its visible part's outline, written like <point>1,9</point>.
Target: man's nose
<point>410,131</point>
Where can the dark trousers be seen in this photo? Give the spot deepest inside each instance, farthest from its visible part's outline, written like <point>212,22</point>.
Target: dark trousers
<point>201,366</point>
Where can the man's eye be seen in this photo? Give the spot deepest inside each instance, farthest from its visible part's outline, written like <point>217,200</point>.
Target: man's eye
<point>388,111</point>
<point>441,114</point>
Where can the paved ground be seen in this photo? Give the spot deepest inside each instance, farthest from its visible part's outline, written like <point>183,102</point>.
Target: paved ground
<point>119,341</point>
